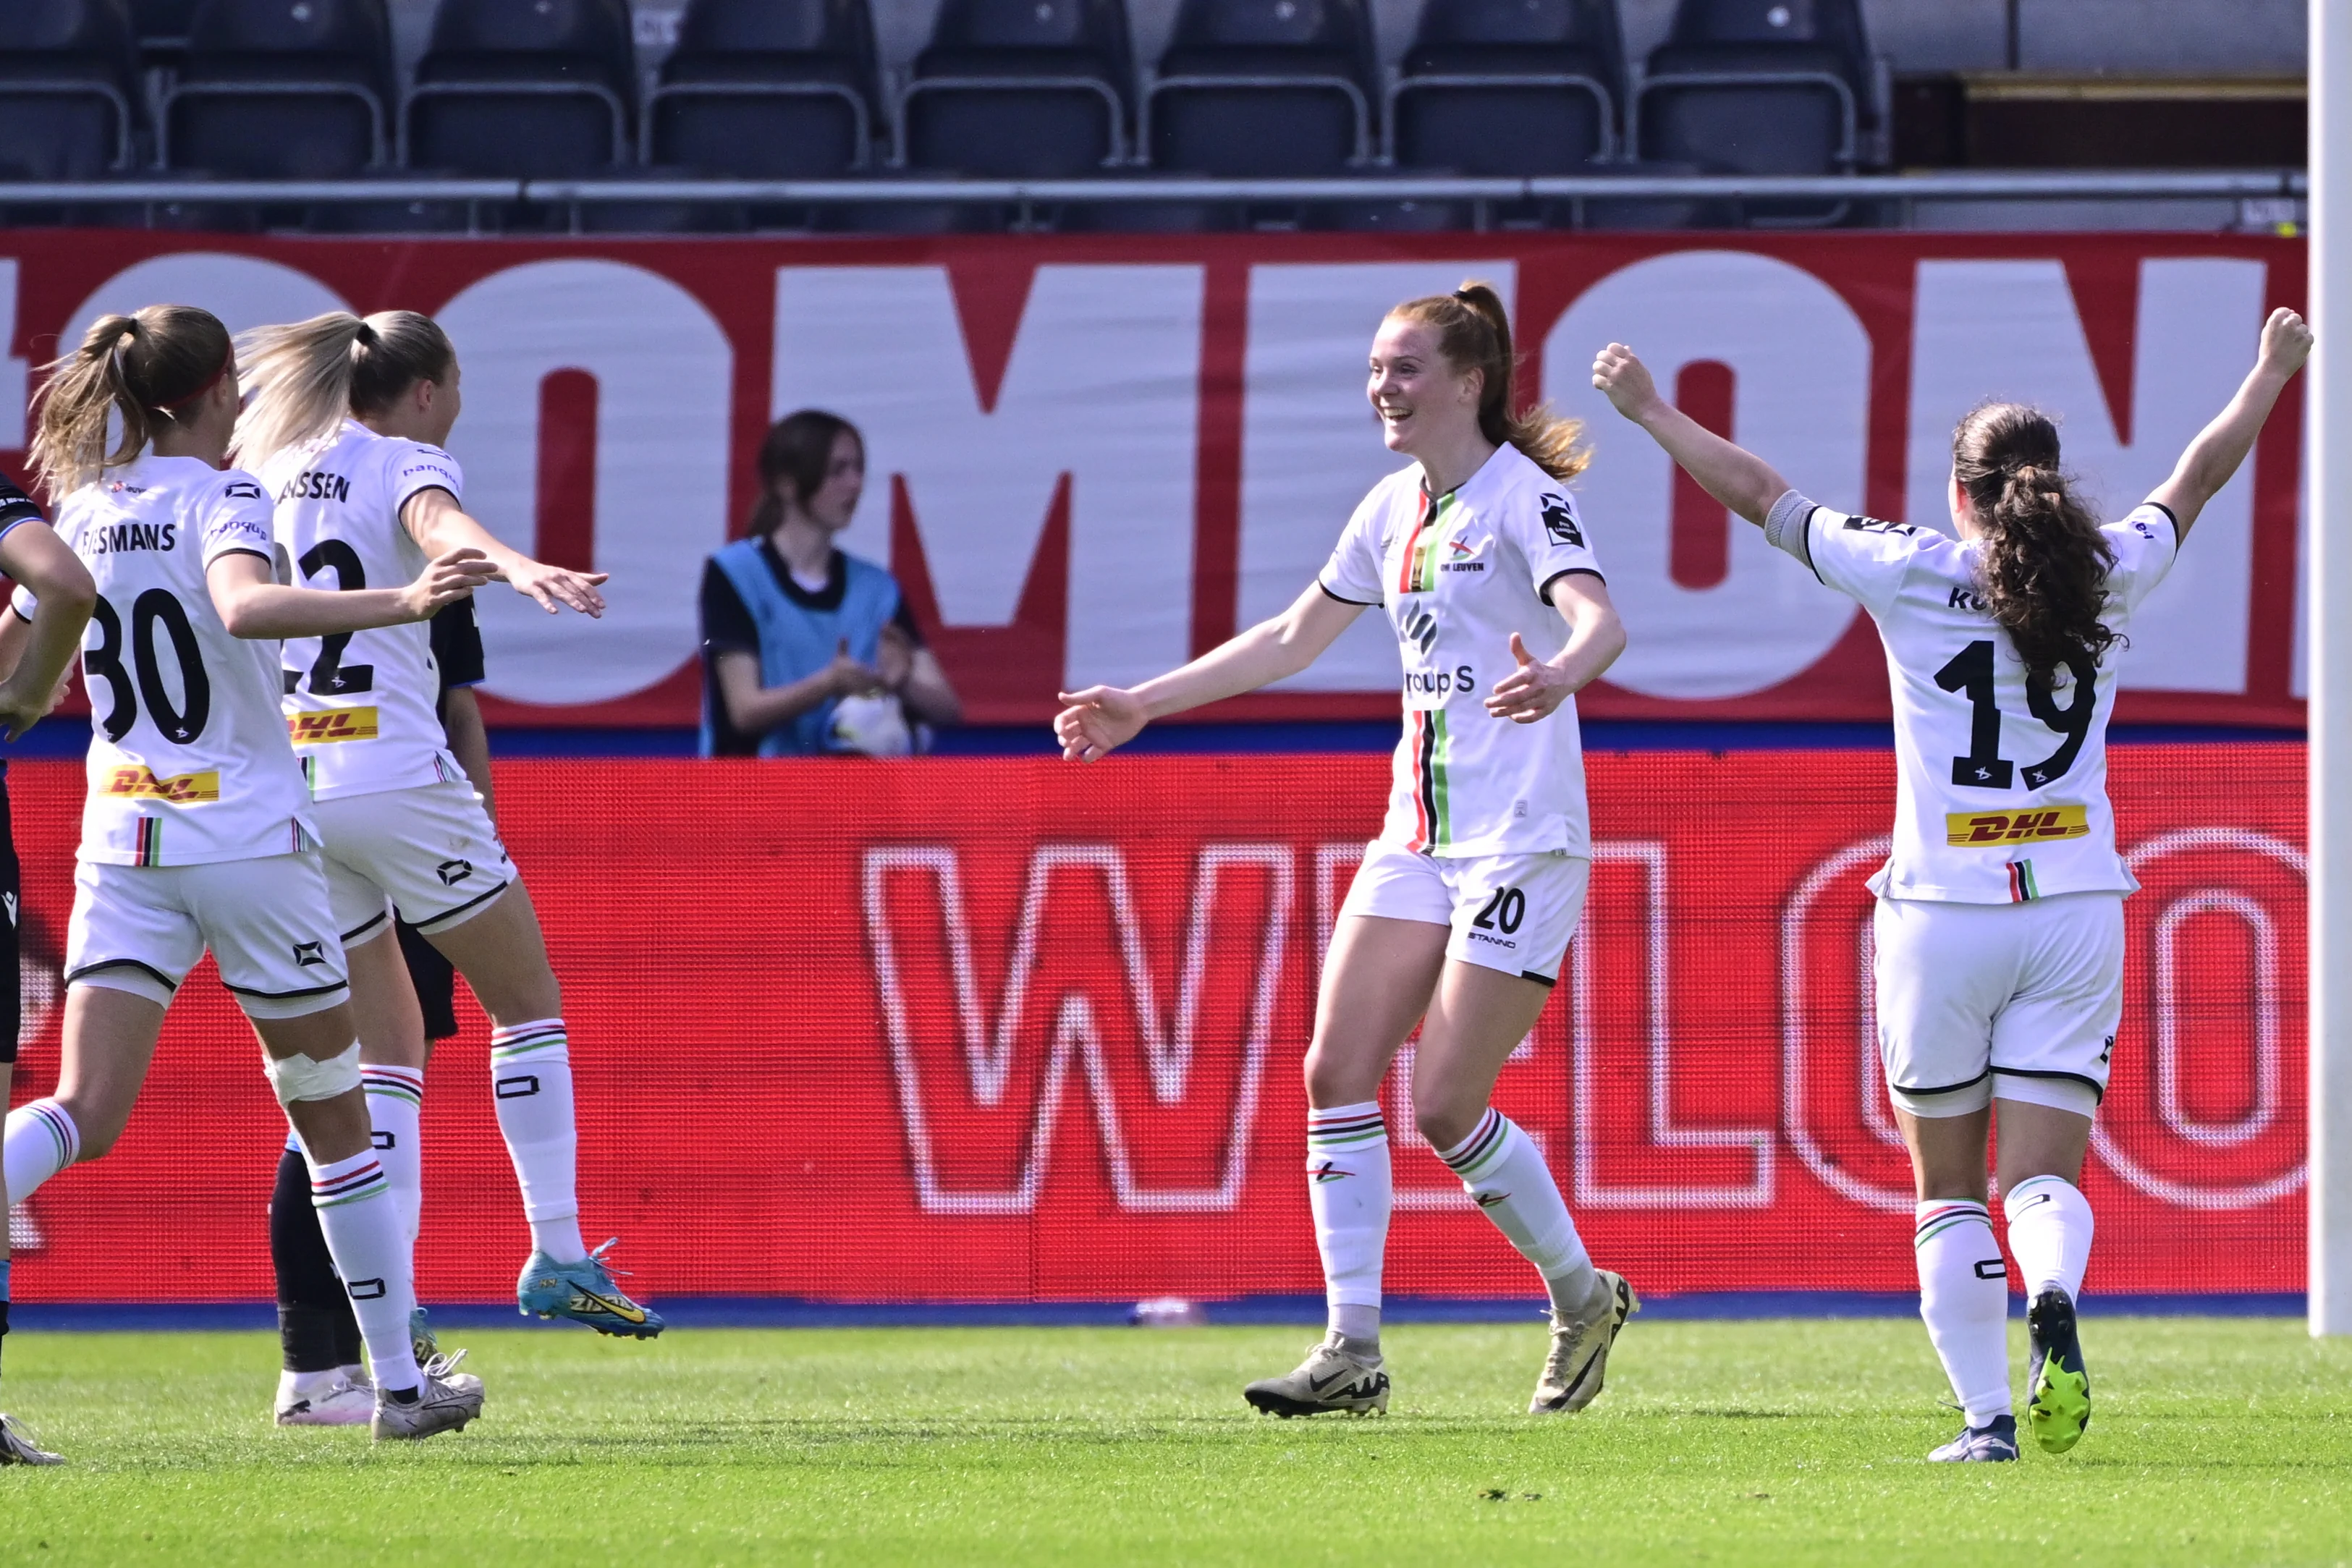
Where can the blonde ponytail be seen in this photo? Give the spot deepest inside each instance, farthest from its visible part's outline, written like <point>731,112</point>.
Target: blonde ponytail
<point>307,377</point>
<point>1473,332</point>
<point>138,369</point>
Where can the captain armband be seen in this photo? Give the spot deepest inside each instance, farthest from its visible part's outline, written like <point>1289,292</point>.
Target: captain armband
<point>1784,526</point>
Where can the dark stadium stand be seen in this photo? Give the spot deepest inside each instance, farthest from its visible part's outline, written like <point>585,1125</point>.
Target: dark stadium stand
<point>774,89</point>
<point>1021,88</point>
<point>525,87</point>
<point>126,109</point>
<point>270,90</point>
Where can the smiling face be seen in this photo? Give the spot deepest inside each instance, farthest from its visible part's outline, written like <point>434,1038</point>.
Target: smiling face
<point>1417,392</point>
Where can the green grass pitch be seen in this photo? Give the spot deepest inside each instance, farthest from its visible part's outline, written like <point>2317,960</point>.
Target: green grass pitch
<point>1752,1443</point>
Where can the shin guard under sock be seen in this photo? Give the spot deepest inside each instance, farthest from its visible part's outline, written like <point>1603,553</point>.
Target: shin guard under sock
<point>1964,1300</point>
<point>1347,1190</point>
<point>530,1077</point>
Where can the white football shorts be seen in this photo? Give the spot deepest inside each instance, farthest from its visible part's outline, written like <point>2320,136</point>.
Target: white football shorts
<point>427,850</point>
<point>141,928</point>
<point>1513,912</point>
<point>2013,1002</point>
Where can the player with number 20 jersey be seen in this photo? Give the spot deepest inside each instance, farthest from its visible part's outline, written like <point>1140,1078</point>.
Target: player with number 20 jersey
<point>1999,928</point>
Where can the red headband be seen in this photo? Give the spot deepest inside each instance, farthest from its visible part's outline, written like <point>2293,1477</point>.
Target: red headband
<point>210,381</point>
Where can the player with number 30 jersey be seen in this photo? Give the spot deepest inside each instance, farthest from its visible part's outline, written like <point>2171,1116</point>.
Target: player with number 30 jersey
<point>1998,931</point>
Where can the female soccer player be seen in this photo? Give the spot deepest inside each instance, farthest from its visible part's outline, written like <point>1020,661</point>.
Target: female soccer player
<point>1463,907</point>
<point>346,427</point>
<point>2000,921</point>
<point>37,655</point>
<point>196,832</point>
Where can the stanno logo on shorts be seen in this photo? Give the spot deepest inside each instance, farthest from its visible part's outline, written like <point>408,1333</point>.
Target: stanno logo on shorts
<point>186,789</point>
<point>1983,829</point>
<point>317,729</point>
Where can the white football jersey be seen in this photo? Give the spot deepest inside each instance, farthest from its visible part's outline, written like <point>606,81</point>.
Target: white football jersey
<point>2002,780</point>
<point>1457,574</point>
<point>189,762</point>
<point>361,707</point>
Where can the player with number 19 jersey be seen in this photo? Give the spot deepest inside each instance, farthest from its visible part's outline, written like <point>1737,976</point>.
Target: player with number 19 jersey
<point>2001,777</point>
<point>189,762</point>
<point>360,706</point>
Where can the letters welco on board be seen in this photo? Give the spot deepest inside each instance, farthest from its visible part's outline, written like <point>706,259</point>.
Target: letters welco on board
<point>1014,1030</point>
<point>1091,457</point>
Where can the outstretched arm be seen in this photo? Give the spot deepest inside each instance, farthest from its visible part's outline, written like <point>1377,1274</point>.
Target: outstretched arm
<point>2221,446</point>
<point>438,525</point>
<point>1102,718</point>
<point>254,605</point>
<point>1739,479</point>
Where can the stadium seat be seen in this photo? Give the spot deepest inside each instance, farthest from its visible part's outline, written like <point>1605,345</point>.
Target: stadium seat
<point>1263,88</point>
<point>1757,86</point>
<point>523,88</point>
<point>68,78</point>
<point>1510,88</point>
<point>766,89</point>
<point>161,28</point>
<point>1018,89</point>
<point>273,90</point>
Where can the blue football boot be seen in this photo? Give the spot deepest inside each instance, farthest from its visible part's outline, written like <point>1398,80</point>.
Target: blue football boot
<point>584,1292</point>
<point>1994,1443</point>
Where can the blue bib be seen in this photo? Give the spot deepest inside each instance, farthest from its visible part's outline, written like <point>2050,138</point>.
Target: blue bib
<point>796,641</point>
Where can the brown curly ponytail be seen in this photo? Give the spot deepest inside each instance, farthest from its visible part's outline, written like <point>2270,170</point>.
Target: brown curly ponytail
<point>2044,569</point>
<point>1473,333</point>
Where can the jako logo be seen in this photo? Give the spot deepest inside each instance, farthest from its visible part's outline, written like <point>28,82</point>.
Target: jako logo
<point>988,1057</point>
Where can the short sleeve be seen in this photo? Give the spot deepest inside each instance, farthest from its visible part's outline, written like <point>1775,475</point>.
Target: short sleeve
<point>15,507</point>
<point>1352,575</point>
<point>238,520</point>
<point>458,645</point>
<point>417,466</point>
<point>22,603</point>
<point>1551,535</point>
<point>1865,558</point>
<point>2146,542</point>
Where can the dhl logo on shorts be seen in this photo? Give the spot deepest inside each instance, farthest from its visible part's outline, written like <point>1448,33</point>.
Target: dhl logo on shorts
<point>1983,829</point>
<point>140,784</point>
<point>332,724</point>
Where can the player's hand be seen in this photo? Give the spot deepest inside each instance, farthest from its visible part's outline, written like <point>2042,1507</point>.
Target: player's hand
<point>1097,722</point>
<point>444,580</point>
<point>20,710</point>
<point>556,587</point>
<point>1530,692</point>
<point>1625,380</point>
<point>2286,342</point>
<point>849,676</point>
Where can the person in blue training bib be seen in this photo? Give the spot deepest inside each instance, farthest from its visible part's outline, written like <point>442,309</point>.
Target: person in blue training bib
<point>807,650</point>
<point>1998,931</point>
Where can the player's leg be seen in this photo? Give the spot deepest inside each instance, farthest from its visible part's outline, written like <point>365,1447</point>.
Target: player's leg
<point>272,932</point>
<point>2050,1057</point>
<point>1512,917</point>
<point>1943,970</point>
<point>14,1448</point>
<point>1387,946</point>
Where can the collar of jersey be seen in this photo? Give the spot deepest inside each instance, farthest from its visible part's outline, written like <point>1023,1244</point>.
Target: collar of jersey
<point>1493,472</point>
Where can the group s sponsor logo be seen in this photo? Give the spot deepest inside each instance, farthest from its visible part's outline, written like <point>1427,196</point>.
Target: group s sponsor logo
<point>1432,688</point>
<point>320,727</point>
<point>1559,521</point>
<point>1418,629</point>
<point>184,789</point>
<point>1977,829</point>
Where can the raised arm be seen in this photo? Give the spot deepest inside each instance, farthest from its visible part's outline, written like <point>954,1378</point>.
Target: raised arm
<point>1738,478</point>
<point>254,605</point>
<point>39,654</point>
<point>439,525</point>
<point>2221,446</point>
<point>1101,718</point>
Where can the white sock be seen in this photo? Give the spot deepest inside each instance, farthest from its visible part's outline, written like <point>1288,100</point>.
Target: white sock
<point>396,1098</point>
<point>362,1229</point>
<point>530,1076</point>
<point>1504,1174</point>
<point>1348,1188</point>
<point>1964,1299</point>
<point>2049,1233</point>
<point>42,1140</point>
